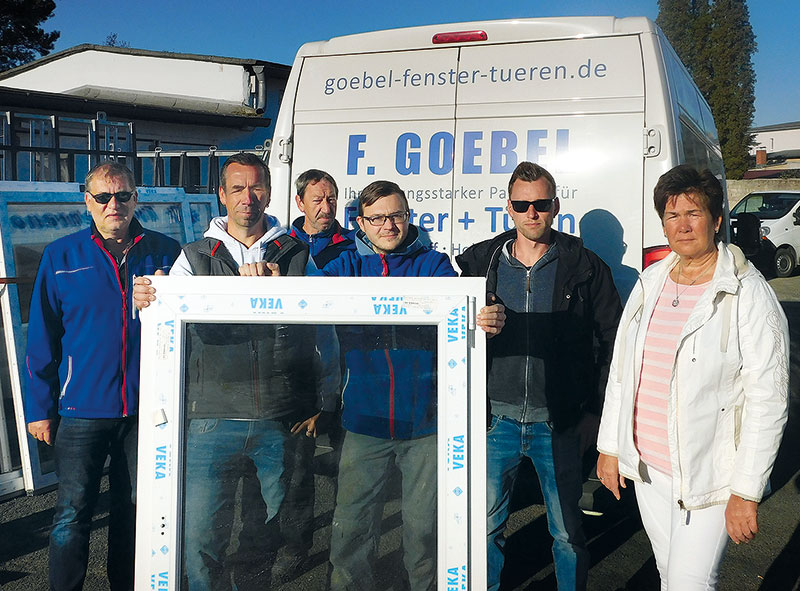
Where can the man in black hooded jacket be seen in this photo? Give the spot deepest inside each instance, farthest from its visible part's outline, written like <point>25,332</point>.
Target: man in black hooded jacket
<point>547,369</point>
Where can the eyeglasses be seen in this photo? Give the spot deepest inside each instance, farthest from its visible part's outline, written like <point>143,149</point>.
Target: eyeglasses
<point>378,220</point>
<point>540,205</point>
<point>121,196</point>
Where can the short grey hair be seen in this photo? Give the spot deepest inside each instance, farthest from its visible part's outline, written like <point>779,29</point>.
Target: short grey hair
<point>109,168</point>
<point>311,177</point>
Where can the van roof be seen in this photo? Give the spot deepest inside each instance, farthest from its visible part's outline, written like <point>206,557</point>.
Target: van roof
<point>499,31</point>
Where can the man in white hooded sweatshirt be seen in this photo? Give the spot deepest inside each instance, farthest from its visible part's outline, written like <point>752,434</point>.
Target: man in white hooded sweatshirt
<point>249,390</point>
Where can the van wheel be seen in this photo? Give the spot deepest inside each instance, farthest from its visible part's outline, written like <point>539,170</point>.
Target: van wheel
<point>785,262</point>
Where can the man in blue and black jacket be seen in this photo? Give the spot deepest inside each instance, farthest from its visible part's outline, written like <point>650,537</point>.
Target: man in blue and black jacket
<point>317,196</point>
<point>83,371</point>
<point>388,403</point>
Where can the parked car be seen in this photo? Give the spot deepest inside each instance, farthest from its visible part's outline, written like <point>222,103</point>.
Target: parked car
<point>777,241</point>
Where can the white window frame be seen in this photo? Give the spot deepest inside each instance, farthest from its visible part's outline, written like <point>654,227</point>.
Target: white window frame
<point>448,303</point>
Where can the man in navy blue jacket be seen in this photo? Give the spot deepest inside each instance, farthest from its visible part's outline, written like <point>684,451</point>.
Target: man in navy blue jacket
<point>83,371</point>
<point>317,196</point>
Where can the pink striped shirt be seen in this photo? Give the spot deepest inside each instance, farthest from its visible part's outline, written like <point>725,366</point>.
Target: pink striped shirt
<point>652,396</point>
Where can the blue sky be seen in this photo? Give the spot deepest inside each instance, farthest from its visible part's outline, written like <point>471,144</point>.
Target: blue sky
<point>274,30</point>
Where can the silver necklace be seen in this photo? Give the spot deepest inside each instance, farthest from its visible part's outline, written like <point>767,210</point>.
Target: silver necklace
<point>677,299</point>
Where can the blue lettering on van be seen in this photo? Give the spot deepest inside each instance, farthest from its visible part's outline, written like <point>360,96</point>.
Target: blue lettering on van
<point>354,152</point>
<point>440,157</point>
<point>471,152</point>
<point>499,220</point>
<point>503,156</point>
<point>407,162</point>
<point>535,149</point>
<point>266,304</point>
<point>515,75</point>
<point>504,151</point>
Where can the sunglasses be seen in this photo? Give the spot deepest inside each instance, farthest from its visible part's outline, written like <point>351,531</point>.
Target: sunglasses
<point>540,205</point>
<point>121,196</point>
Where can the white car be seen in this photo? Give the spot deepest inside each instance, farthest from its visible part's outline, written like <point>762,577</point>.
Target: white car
<point>778,213</point>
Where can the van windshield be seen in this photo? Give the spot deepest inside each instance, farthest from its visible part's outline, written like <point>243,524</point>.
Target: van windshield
<point>767,206</point>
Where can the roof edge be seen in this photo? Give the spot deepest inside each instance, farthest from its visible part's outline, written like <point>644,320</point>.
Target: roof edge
<point>776,127</point>
<point>140,52</point>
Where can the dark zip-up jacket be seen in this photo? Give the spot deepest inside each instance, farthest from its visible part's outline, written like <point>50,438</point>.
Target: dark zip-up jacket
<point>83,342</point>
<point>251,371</point>
<point>579,331</point>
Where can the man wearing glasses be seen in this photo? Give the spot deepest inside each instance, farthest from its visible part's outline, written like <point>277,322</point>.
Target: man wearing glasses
<point>83,371</point>
<point>545,377</point>
<point>389,403</point>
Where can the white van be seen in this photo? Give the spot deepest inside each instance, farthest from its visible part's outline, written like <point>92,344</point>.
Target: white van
<point>447,112</point>
<point>778,239</point>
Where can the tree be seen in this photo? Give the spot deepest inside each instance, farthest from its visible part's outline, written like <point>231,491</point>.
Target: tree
<point>716,42</point>
<point>113,41</point>
<point>733,93</point>
<point>22,38</point>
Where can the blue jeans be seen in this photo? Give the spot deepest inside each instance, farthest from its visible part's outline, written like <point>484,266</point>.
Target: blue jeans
<point>214,450</point>
<point>557,461</point>
<point>81,449</point>
<point>364,469</point>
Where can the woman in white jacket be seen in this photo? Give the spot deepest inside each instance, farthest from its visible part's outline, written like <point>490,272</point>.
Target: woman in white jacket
<point>697,395</point>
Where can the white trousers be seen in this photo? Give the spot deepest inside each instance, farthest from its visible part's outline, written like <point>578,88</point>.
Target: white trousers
<point>688,545</point>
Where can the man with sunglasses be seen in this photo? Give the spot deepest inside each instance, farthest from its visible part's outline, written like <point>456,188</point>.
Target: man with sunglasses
<point>389,403</point>
<point>82,366</point>
<point>546,377</point>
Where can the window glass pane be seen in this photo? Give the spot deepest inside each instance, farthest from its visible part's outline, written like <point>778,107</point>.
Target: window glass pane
<point>163,217</point>
<point>695,152</point>
<point>74,134</point>
<point>267,507</point>
<point>201,218</point>
<point>34,226</point>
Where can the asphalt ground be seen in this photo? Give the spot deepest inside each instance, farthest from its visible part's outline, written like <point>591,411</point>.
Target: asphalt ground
<point>621,555</point>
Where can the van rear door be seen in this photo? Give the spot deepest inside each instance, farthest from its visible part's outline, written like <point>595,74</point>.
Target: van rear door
<point>575,106</point>
<point>450,123</point>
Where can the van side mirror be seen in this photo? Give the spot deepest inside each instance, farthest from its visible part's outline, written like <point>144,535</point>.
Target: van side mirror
<point>797,217</point>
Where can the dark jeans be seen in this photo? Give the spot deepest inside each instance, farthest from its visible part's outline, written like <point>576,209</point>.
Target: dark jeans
<point>81,449</point>
<point>214,451</point>
<point>558,466</point>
